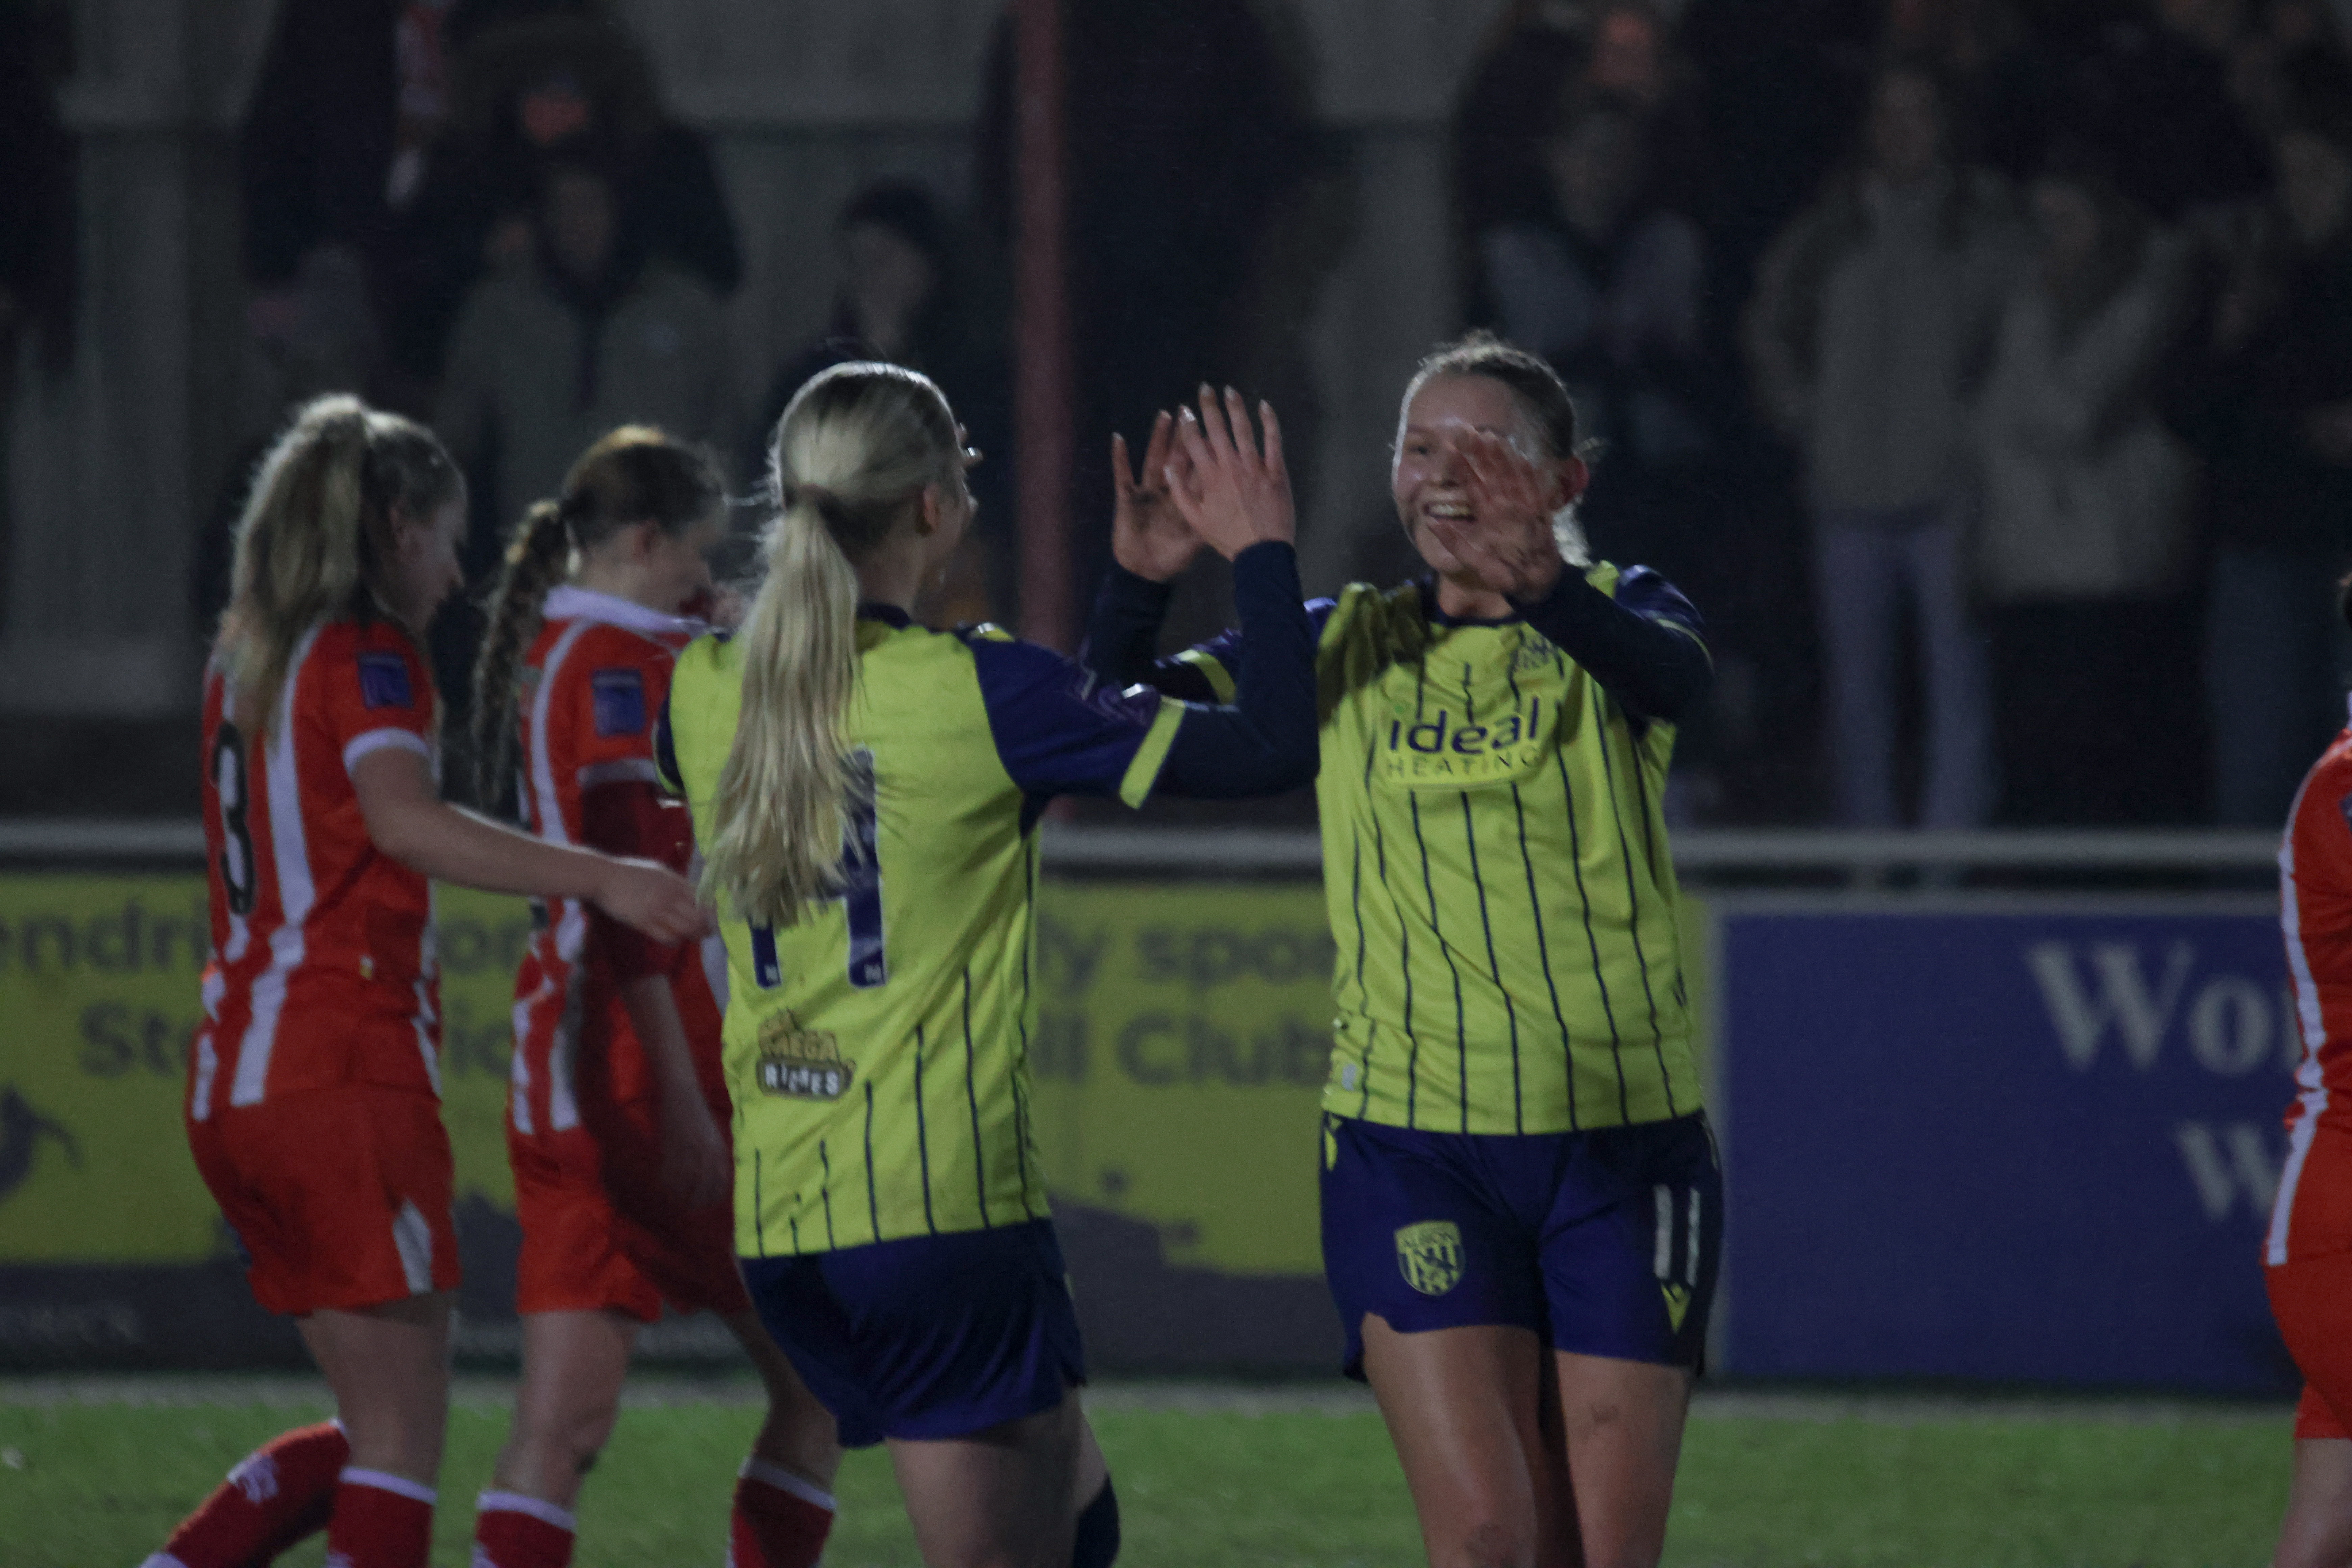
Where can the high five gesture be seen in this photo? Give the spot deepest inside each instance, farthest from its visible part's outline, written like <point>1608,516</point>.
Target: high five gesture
<point>1148,535</point>
<point>1229,492</point>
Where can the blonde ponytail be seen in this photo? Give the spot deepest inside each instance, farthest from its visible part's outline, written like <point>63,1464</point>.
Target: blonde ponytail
<point>314,533</point>
<point>854,451</point>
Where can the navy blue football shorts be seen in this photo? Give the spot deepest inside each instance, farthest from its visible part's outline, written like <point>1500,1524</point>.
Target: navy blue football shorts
<point>1604,1242</point>
<point>930,1337</point>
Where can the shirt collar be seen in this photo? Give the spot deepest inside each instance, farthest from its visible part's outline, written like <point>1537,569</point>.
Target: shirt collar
<point>571,603</point>
<point>889,615</point>
<point>1437,617</point>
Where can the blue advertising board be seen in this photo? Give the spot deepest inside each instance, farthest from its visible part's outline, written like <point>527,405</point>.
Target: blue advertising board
<point>2023,1141</point>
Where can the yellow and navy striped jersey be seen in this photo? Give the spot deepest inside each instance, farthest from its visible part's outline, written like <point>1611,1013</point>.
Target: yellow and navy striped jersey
<point>1496,866</point>
<point>877,1053</point>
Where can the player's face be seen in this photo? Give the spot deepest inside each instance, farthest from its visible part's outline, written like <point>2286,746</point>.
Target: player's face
<point>678,565</point>
<point>1430,478</point>
<point>423,570</point>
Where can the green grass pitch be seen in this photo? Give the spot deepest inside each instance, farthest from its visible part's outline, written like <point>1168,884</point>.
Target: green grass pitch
<point>1271,1482</point>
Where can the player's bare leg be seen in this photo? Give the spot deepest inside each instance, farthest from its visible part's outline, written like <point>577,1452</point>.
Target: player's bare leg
<point>999,1499</point>
<point>389,1368</point>
<point>573,1364</point>
<point>1464,1408</point>
<point>798,1434</point>
<point>1093,1470</point>
<point>783,1507</point>
<point>2318,1528</point>
<point>1623,1423</point>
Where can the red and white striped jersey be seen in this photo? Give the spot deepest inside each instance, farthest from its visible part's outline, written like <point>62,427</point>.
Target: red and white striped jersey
<point>2315,913</point>
<point>322,969</point>
<point>593,684</point>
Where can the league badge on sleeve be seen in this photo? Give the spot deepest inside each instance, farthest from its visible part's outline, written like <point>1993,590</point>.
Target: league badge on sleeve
<point>384,681</point>
<point>620,696</point>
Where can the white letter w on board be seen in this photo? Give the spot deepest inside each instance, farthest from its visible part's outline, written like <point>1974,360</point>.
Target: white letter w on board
<point>2119,994</point>
<point>2228,1160</point>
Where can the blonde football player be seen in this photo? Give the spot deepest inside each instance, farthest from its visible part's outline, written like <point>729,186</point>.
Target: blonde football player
<point>1522,1210</point>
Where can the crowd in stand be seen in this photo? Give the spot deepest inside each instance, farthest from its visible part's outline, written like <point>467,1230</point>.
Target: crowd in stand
<point>2024,330</point>
<point>1982,368</point>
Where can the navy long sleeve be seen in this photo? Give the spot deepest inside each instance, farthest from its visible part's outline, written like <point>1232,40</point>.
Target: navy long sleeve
<point>1643,646</point>
<point>1264,740</point>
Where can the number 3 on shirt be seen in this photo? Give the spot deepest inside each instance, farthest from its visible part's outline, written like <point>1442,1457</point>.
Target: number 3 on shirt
<point>861,894</point>
<point>237,848</point>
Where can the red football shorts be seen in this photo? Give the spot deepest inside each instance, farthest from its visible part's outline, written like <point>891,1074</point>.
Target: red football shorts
<point>339,1198</point>
<point>2311,1292</point>
<point>598,1232</point>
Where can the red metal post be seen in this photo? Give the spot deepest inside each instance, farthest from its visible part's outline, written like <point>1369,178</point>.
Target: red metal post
<point>1041,320</point>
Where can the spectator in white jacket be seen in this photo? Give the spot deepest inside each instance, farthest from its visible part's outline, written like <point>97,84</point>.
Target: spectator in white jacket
<point>1873,316</point>
<point>590,333</point>
<point>591,330</point>
<point>2083,557</point>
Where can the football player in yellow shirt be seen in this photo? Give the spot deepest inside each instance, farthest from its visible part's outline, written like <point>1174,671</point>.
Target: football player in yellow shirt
<point>866,794</point>
<point>1522,1208</point>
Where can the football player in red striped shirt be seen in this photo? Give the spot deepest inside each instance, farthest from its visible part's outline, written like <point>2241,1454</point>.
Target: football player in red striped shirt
<point>313,1100</point>
<point>2308,1254</point>
<point>623,1174</point>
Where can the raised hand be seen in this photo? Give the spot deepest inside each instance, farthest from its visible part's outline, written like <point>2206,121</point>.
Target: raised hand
<point>1148,535</point>
<point>1507,543</point>
<point>1229,492</point>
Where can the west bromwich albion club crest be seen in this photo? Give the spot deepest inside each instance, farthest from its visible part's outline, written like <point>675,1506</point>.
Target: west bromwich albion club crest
<point>1430,1256</point>
<point>802,1064</point>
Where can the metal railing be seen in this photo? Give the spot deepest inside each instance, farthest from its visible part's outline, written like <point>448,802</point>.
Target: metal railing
<point>1298,851</point>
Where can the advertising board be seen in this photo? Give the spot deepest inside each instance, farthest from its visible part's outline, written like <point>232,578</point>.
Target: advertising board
<point>2032,1140</point>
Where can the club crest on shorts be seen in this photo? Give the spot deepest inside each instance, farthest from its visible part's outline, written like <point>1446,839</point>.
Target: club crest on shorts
<point>801,1064</point>
<point>1430,1256</point>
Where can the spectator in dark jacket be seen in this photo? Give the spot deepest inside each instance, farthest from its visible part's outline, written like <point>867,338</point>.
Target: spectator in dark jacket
<point>2155,94</point>
<point>553,87</point>
<point>38,251</point>
<point>335,145</point>
<point>2272,417</point>
<point>1541,66</point>
<point>904,300</point>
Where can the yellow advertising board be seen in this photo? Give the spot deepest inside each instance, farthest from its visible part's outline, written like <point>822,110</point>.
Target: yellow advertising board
<point>1183,1032</point>
<point>98,1003</point>
<point>1180,1055</point>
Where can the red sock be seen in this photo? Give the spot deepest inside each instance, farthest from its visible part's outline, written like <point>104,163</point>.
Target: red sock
<point>780,1520</point>
<point>511,1531</point>
<point>278,1494</point>
<point>381,1521</point>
